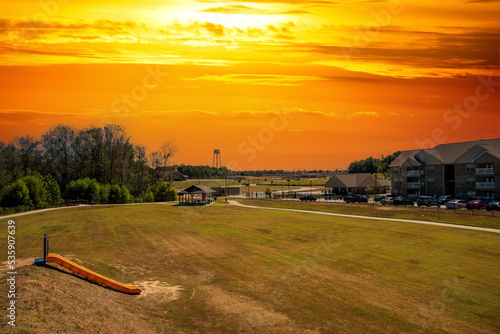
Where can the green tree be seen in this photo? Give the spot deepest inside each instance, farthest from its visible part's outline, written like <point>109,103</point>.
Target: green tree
<point>163,193</point>
<point>94,191</point>
<point>53,192</point>
<point>16,194</point>
<point>104,193</point>
<point>36,189</point>
<point>114,194</point>
<point>125,196</point>
<point>148,196</point>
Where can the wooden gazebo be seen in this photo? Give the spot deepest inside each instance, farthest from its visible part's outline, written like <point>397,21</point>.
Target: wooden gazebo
<point>196,195</point>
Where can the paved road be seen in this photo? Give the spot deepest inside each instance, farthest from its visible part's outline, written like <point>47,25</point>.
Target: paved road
<point>464,227</point>
<point>78,206</point>
<point>37,211</point>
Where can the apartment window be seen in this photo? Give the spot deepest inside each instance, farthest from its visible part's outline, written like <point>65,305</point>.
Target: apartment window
<point>471,194</point>
<point>470,167</point>
<point>430,181</point>
<point>471,181</point>
<point>430,169</point>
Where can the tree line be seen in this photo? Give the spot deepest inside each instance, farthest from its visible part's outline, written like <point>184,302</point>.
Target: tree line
<point>374,165</point>
<point>74,160</point>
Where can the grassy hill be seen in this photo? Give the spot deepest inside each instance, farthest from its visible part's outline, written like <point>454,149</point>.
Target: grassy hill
<point>224,269</point>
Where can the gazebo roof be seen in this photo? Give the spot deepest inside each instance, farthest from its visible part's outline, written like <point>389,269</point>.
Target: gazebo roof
<point>196,189</point>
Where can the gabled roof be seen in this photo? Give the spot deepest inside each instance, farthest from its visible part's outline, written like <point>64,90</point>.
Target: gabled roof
<point>384,182</point>
<point>196,189</point>
<point>411,161</point>
<point>354,180</point>
<point>465,152</point>
<point>486,156</point>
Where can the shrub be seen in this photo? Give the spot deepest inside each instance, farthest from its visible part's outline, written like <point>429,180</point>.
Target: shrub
<point>94,192</point>
<point>125,196</point>
<point>114,194</point>
<point>36,191</point>
<point>16,194</point>
<point>53,192</point>
<point>104,193</point>
<point>163,193</point>
<point>148,196</point>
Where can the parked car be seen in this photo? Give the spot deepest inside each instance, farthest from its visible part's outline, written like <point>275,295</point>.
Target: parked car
<point>456,204</point>
<point>427,201</point>
<point>477,204</point>
<point>415,197</point>
<point>444,199</point>
<point>493,206</point>
<point>355,199</point>
<point>378,198</point>
<point>308,198</point>
<point>401,200</point>
<point>331,196</point>
<point>387,200</point>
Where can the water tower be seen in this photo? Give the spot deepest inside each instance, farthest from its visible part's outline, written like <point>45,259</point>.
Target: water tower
<point>217,160</point>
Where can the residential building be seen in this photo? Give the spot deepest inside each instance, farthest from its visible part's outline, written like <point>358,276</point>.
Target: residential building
<point>355,183</point>
<point>463,170</point>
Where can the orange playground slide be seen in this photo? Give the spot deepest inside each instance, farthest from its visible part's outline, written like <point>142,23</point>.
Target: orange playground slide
<point>92,276</point>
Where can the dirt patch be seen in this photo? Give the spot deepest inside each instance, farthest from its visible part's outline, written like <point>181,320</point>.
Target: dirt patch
<point>4,265</point>
<point>160,291</point>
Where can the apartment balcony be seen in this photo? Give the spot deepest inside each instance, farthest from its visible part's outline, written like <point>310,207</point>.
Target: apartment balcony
<point>414,172</point>
<point>485,171</point>
<point>413,185</point>
<point>485,185</point>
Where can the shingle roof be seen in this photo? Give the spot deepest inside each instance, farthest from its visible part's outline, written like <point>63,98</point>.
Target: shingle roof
<point>384,182</point>
<point>449,153</point>
<point>347,180</point>
<point>197,189</point>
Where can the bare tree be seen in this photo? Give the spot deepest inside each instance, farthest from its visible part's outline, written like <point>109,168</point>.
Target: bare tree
<point>161,160</point>
<point>155,163</point>
<point>58,151</point>
<point>141,162</point>
<point>30,154</point>
<point>167,151</point>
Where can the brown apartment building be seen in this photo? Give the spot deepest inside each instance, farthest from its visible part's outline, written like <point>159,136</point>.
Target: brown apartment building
<point>463,170</point>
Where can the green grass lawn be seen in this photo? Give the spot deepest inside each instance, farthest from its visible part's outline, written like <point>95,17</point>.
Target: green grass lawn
<point>259,271</point>
<point>481,218</point>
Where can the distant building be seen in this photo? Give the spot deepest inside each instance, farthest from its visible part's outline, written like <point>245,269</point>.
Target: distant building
<point>223,191</point>
<point>385,185</point>
<point>355,183</point>
<point>462,170</point>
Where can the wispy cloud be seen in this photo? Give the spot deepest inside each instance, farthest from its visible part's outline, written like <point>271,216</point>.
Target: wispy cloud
<point>247,10</point>
<point>141,113</point>
<point>258,79</point>
<point>359,114</point>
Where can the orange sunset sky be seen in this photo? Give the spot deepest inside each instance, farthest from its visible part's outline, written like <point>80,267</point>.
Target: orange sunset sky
<point>273,84</point>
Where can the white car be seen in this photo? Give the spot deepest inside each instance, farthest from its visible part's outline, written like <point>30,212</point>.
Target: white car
<point>456,204</point>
